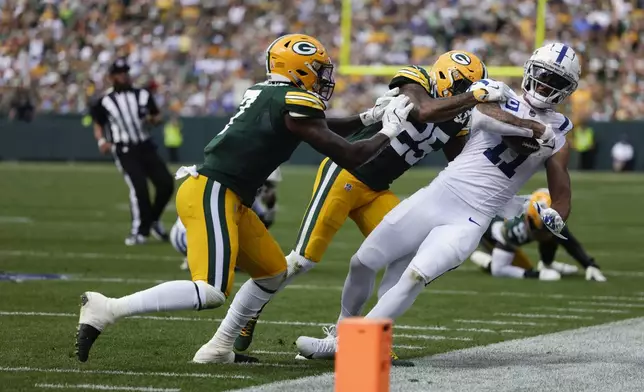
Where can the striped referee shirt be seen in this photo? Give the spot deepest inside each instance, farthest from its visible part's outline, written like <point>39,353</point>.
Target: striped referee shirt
<point>121,115</point>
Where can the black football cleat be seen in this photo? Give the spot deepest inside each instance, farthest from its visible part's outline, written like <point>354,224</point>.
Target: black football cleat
<point>241,358</point>
<point>85,338</point>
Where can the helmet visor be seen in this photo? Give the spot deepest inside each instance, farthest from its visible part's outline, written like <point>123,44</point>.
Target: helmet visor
<point>325,82</point>
<point>548,82</point>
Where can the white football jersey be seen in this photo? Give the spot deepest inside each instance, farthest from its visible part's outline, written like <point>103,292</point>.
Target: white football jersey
<point>487,174</point>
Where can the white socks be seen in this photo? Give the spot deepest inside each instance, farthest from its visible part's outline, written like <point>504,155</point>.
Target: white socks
<point>357,289</point>
<point>174,295</point>
<point>399,298</point>
<point>502,265</point>
<point>248,301</point>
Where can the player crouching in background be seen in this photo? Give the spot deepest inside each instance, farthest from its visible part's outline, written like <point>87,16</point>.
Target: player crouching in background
<point>503,239</point>
<point>265,206</point>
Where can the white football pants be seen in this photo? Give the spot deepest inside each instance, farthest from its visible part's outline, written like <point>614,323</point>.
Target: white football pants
<point>434,223</point>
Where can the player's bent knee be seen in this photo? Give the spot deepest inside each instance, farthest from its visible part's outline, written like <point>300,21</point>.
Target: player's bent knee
<point>272,283</point>
<point>209,296</point>
<point>357,264</point>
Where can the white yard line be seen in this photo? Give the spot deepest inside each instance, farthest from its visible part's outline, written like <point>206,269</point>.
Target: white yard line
<point>100,387</point>
<point>287,323</point>
<point>503,322</point>
<point>85,255</point>
<point>582,310</point>
<point>253,352</point>
<point>15,219</point>
<point>120,373</point>
<point>408,347</point>
<point>430,337</point>
<point>537,315</point>
<point>607,304</point>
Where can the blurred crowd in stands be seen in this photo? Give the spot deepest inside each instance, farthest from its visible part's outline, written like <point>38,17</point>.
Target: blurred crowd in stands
<point>198,56</point>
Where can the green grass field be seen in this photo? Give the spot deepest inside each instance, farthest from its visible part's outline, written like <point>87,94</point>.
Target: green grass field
<point>72,219</point>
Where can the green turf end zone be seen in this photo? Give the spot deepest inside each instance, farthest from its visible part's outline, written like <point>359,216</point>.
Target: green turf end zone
<point>72,219</point>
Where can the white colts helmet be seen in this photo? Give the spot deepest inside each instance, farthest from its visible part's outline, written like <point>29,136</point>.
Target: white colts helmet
<point>551,75</point>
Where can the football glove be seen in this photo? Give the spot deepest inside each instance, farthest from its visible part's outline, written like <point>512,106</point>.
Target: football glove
<point>375,114</point>
<point>488,90</point>
<point>593,273</point>
<point>395,115</point>
<point>551,219</point>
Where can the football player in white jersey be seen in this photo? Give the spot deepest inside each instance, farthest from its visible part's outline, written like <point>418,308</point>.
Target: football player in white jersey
<point>265,206</point>
<point>442,223</point>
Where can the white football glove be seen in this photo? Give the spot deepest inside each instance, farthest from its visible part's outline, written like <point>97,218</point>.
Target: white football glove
<point>375,114</point>
<point>551,219</point>
<point>548,134</point>
<point>593,273</point>
<point>488,90</point>
<point>395,115</point>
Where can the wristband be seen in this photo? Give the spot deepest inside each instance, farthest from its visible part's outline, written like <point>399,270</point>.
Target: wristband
<point>366,119</point>
<point>101,141</point>
<point>390,133</point>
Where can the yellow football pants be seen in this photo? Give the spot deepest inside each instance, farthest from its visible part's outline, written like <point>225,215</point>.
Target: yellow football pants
<point>221,233</point>
<point>338,195</point>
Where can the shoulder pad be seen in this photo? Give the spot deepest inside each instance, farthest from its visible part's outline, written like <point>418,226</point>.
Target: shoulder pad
<point>411,74</point>
<point>304,99</point>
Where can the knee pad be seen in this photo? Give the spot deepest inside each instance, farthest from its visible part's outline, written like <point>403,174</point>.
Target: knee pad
<point>272,283</point>
<point>298,264</point>
<point>209,296</point>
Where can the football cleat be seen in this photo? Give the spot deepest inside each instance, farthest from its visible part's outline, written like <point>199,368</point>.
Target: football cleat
<point>549,274</point>
<point>184,265</point>
<point>593,273</point>
<point>209,354</point>
<point>245,337</point>
<point>314,348</point>
<point>94,317</point>
<point>135,239</point>
<point>481,259</point>
<point>562,268</point>
<point>158,231</point>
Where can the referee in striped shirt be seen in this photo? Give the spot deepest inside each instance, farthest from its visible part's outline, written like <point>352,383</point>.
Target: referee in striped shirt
<point>121,119</point>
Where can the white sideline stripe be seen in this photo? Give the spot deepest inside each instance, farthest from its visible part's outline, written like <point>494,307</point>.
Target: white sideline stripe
<point>99,387</point>
<point>582,310</point>
<point>289,323</point>
<point>503,322</point>
<point>537,315</point>
<point>119,372</point>
<point>607,304</point>
<point>429,337</point>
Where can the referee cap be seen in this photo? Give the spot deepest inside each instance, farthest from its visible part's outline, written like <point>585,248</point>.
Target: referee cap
<point>119,66</point>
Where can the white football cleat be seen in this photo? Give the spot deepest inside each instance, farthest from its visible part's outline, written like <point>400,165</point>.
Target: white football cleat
<point>184,265</point>
<point>95,310</point>
<point>562,268</point>
<point>208,353</point>
<point>593,273</point>
<point>95,315</point>
<point>314,348</point>
<point>481,259</point>
<point>548,274</point>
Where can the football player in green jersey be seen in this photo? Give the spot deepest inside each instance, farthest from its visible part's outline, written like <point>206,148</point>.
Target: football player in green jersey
<point>503,240</point>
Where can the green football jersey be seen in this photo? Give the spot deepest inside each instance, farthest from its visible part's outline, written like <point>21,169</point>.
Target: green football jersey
<point>256,141</point>
<point>413,143</point>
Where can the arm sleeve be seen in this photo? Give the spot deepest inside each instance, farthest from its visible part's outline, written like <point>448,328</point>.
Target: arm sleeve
<point>411,74</point>
<point>492,125</point>
<point>304,104</point>
<point>97,111</point>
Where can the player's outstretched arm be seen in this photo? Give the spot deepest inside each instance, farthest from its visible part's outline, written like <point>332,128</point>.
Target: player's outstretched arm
<point>350,155</point>
<point>344,126</point>
<point>434,110</point>
<point>559,181</point>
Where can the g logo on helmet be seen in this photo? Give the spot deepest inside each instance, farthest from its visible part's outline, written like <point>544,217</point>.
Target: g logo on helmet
<point>304,48</point>
<point>461,58</point>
